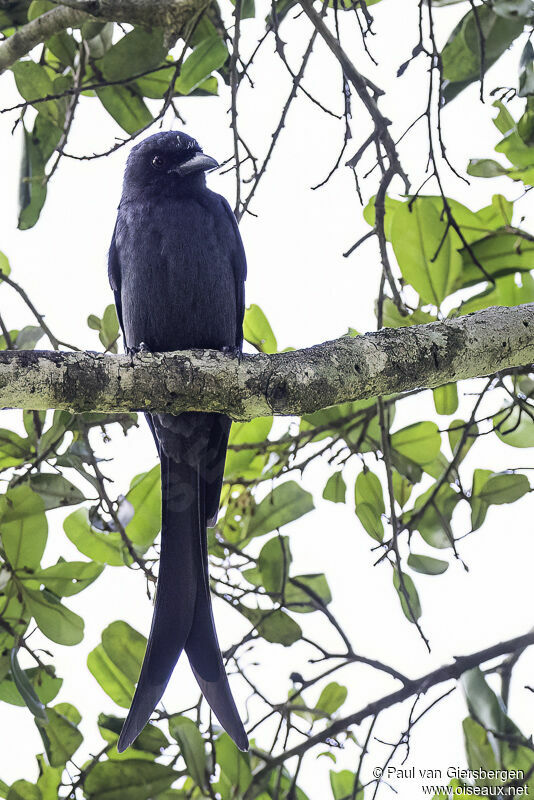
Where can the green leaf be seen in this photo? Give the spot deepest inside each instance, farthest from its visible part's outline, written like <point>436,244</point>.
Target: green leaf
<point>206,57</point>
<point>136,52</point>
<point>38,146</point>
<point>125,106</point>
<point>64,47</point>
<point>4,264</point>
<point>38,7</point>
<point>427,565</point>
<point>273,562</point>
<point>98,36</point>
<point>341,417</point>
<point>371,521</point>
<point>392,318</point>
<point>247,463</point>
<point>409,597</point>
<point>24,529</point>
<point>479,507</point>
<point>207,88</point>
<point>427,254</point>
<point>331,698</point>
<point>150,741</point>
<point>125,646</point>
<point>342,784</point>
<point>94,322</point>
<point>479,751</point>
<point>500,254</point>
<point>286,503</point>
<point>109,330</point>
<point>335,489</point>
<point>368,489</point>
<point>44,686</point>
<point>511,290</point>
<point>34,82</point>
<point>503,487</point>
<point>67,577</point>
<point>446,399</point>
<point>23,790</point>
<point>49,779</point>
<point>156,84</point>
<point>116,663</point>
<point>55,490</point>
<point>105,548</point>
<point>514,427</point>
<point>192,747</point>
<point>402,488</point>
<point>25,688</point>
<point>485,168</point>
<point>135,779</point>
<point>145,497</point>
<point>60,735</point>
<point>28,337</point>
<point>234,764</point>
<point>455,433</point>
<point>273,626</point>
<point>483,703</point>
<point>391,206</point>
<point>112,680</point>
<point>434,523</point>
<point>461,55</point>
<point>55,620</point>
<point>257,330</point>
<point>14,612</point>
<point>14,450</point>
<point>516,144</point>
<point>419,442</point>
<point>301,591</point>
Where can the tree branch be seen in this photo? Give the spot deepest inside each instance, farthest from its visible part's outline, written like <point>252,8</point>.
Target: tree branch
<point>293,383</point>
<point>418,686</point>
<point>172,15</point>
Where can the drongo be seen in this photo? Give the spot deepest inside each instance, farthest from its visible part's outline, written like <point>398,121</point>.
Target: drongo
<point>177,268</point>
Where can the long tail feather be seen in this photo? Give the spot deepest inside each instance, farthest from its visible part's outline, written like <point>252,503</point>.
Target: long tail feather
<point>183,616</point>
<point>179,572</point>
<point>203,651</point>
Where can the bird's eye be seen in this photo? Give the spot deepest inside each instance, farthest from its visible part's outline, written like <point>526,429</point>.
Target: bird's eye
<point>157,161</point>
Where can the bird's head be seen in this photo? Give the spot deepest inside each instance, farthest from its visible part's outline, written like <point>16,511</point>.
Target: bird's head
<point>169,161</point>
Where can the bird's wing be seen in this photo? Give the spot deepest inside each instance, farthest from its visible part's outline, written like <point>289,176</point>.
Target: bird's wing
<point>114,275</point>
<point>239,263</point>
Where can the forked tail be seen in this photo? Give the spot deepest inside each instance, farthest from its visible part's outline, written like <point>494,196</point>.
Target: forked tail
<point>183,615</point>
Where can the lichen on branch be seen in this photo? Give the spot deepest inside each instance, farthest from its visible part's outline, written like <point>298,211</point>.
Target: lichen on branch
<point>171,15</point>
<point>292,383</point>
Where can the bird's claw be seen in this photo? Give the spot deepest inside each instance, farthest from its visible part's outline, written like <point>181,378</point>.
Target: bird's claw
<point>232,350</point>
<point>141,348</point>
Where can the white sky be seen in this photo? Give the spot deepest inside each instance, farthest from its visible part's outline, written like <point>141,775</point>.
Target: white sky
<point>310,293</point>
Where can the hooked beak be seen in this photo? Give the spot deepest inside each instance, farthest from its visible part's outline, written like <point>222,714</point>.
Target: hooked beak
<point>198,163</point>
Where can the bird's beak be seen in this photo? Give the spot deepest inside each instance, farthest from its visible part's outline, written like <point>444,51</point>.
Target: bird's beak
<point>199,162</point>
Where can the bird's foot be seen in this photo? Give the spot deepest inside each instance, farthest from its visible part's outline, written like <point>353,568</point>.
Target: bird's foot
<point>141,348</point>
<point>232,350</point>
<point>134,351</point>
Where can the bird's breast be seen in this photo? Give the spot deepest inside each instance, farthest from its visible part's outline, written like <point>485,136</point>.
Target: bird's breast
<point>178,286</point>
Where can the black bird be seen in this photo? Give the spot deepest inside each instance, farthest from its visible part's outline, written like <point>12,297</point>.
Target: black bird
<point>177,268</point>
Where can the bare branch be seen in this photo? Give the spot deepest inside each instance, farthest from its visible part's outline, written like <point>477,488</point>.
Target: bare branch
<point>419,686</point>
<point>298,382</point>
<point>172,15</point>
